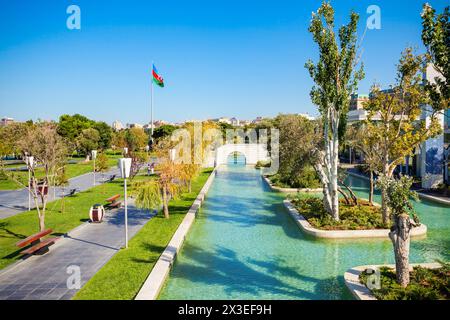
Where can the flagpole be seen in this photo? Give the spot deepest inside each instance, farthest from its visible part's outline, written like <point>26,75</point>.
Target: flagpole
<point>151,111</point>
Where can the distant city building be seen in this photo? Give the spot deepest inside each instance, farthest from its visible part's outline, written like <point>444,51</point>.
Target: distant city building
<point>307,116</point>
<point>5,121</point>
<point>257,120</point>
<point>356,111</point>
<point>243,123</point>
<point>224,120</point>
<point>234,122</point>
<point>134,125</point>
<point>117,125</point>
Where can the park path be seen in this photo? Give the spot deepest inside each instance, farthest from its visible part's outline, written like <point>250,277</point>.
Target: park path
<point>88,247</point>
<point>13,202</point>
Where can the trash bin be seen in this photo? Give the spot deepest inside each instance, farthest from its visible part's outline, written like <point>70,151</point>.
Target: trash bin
<point>97,213</point>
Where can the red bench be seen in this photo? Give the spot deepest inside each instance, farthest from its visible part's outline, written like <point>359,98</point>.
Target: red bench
<point>113,201</point>
<point>37,243</point>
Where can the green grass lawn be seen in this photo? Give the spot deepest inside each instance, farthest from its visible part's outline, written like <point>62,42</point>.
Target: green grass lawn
<point>72,170</point>
<point>125,273</point>
<point>76,211</point>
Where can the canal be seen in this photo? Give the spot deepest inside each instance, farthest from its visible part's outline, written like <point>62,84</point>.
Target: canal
<point>244,245</point>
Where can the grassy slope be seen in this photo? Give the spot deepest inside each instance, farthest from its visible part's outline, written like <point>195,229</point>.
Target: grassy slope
<point>124,274</point>
<point>72,170</point>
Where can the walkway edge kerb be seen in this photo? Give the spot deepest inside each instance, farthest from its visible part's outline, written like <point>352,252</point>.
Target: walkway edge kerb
<point>289,190</point>
<point>360,291</point>
<point>421,195</point>
<point>155,280</point>
<point>306,227</point>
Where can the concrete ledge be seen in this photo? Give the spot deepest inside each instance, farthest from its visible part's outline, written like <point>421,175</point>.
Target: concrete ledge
<point>306,227</point>
<point>289,190</point>
<point>155,281</point>
<point>421,195</point>
<point>360,291</point>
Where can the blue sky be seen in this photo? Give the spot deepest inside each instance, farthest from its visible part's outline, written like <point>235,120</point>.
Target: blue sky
<point>218,58</point>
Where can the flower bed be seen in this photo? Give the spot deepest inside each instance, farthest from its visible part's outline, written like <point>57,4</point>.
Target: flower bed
<point>352,217</point>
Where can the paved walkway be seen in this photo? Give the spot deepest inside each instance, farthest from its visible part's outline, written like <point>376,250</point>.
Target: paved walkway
<point>13,202</point>
<point>89,247</point>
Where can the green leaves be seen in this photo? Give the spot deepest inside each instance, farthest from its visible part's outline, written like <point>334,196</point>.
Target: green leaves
<point>148,195</point>
<point>399,194</point>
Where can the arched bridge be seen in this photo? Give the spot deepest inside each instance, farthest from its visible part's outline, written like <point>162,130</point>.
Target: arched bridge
<point>253,152</point>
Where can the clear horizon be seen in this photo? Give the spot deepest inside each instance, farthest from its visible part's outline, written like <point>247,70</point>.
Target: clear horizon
<point>217,59</point>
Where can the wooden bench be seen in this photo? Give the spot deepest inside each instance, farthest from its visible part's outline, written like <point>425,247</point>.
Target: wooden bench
<point>113,201</point>
<point>72,192</point>
<point>111,179</point>
<point>37,244</point>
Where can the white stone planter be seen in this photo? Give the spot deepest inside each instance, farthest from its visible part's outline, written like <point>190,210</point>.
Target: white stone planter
<point>306,227</point>
<point>360,291</point>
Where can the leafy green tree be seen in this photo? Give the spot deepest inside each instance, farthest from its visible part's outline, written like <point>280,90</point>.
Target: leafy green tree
<point>49,150</point>
<point>119,139</point>
<point>105,133</point>
<point>436,38</point>
<point>71,126</point>
<point>163,131</point>
<point>393,119</point>
<point>295,158</point>
<point>62,181</point>
<point>88,141</point>
<point>335,79</point>
<point>9,135</point>
<point>136,139</point>
<point>398,200</point>
<point>101,163</point>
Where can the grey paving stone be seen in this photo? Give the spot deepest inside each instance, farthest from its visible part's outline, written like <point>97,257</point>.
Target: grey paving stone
<point>45,277</point>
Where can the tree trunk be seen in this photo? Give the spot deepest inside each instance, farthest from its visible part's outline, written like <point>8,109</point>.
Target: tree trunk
<point>400,237</point>
<point>334,153</point>
<point>384,197</point>
<point>190,186</point>
<point>347,200</point>
<point>165,203</point>
<point>371,188</point>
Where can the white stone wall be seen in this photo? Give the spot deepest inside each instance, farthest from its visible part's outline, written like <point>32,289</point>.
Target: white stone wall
<point>253,153</point>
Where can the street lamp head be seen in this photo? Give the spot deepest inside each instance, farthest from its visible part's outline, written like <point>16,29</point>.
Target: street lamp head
<point>147,148</point>
<point>125,150</point>
<point>124,165</point>
<point>29,160</point>
<point>172,154</point>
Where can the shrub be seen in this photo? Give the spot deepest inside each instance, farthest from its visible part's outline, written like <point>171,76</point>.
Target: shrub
<point>425,284</point>
<point>352,217</point>
<point>262,164</point>
<point>306,178</point>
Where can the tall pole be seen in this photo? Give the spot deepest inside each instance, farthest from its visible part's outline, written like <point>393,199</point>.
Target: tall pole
<point>29,188</point>
<point>126,214</point>
<point>151,110</point>
<point>94,171</point>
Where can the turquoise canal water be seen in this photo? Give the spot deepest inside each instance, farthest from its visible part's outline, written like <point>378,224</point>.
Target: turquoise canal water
<point>244,245</point>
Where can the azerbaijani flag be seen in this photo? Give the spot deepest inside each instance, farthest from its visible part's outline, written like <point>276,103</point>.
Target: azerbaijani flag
<point>157,78</point>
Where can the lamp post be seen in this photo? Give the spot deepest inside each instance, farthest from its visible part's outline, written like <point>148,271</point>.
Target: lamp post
<point>94,156</point>
<point>172,154</point>
<point>124,165</point>
<point>29,160</point>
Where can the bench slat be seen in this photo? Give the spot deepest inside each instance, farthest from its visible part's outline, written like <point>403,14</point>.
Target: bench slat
<point>40,245</point>
<point>33,237</point>
<point>115,204</point>
<point>113,198</point>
